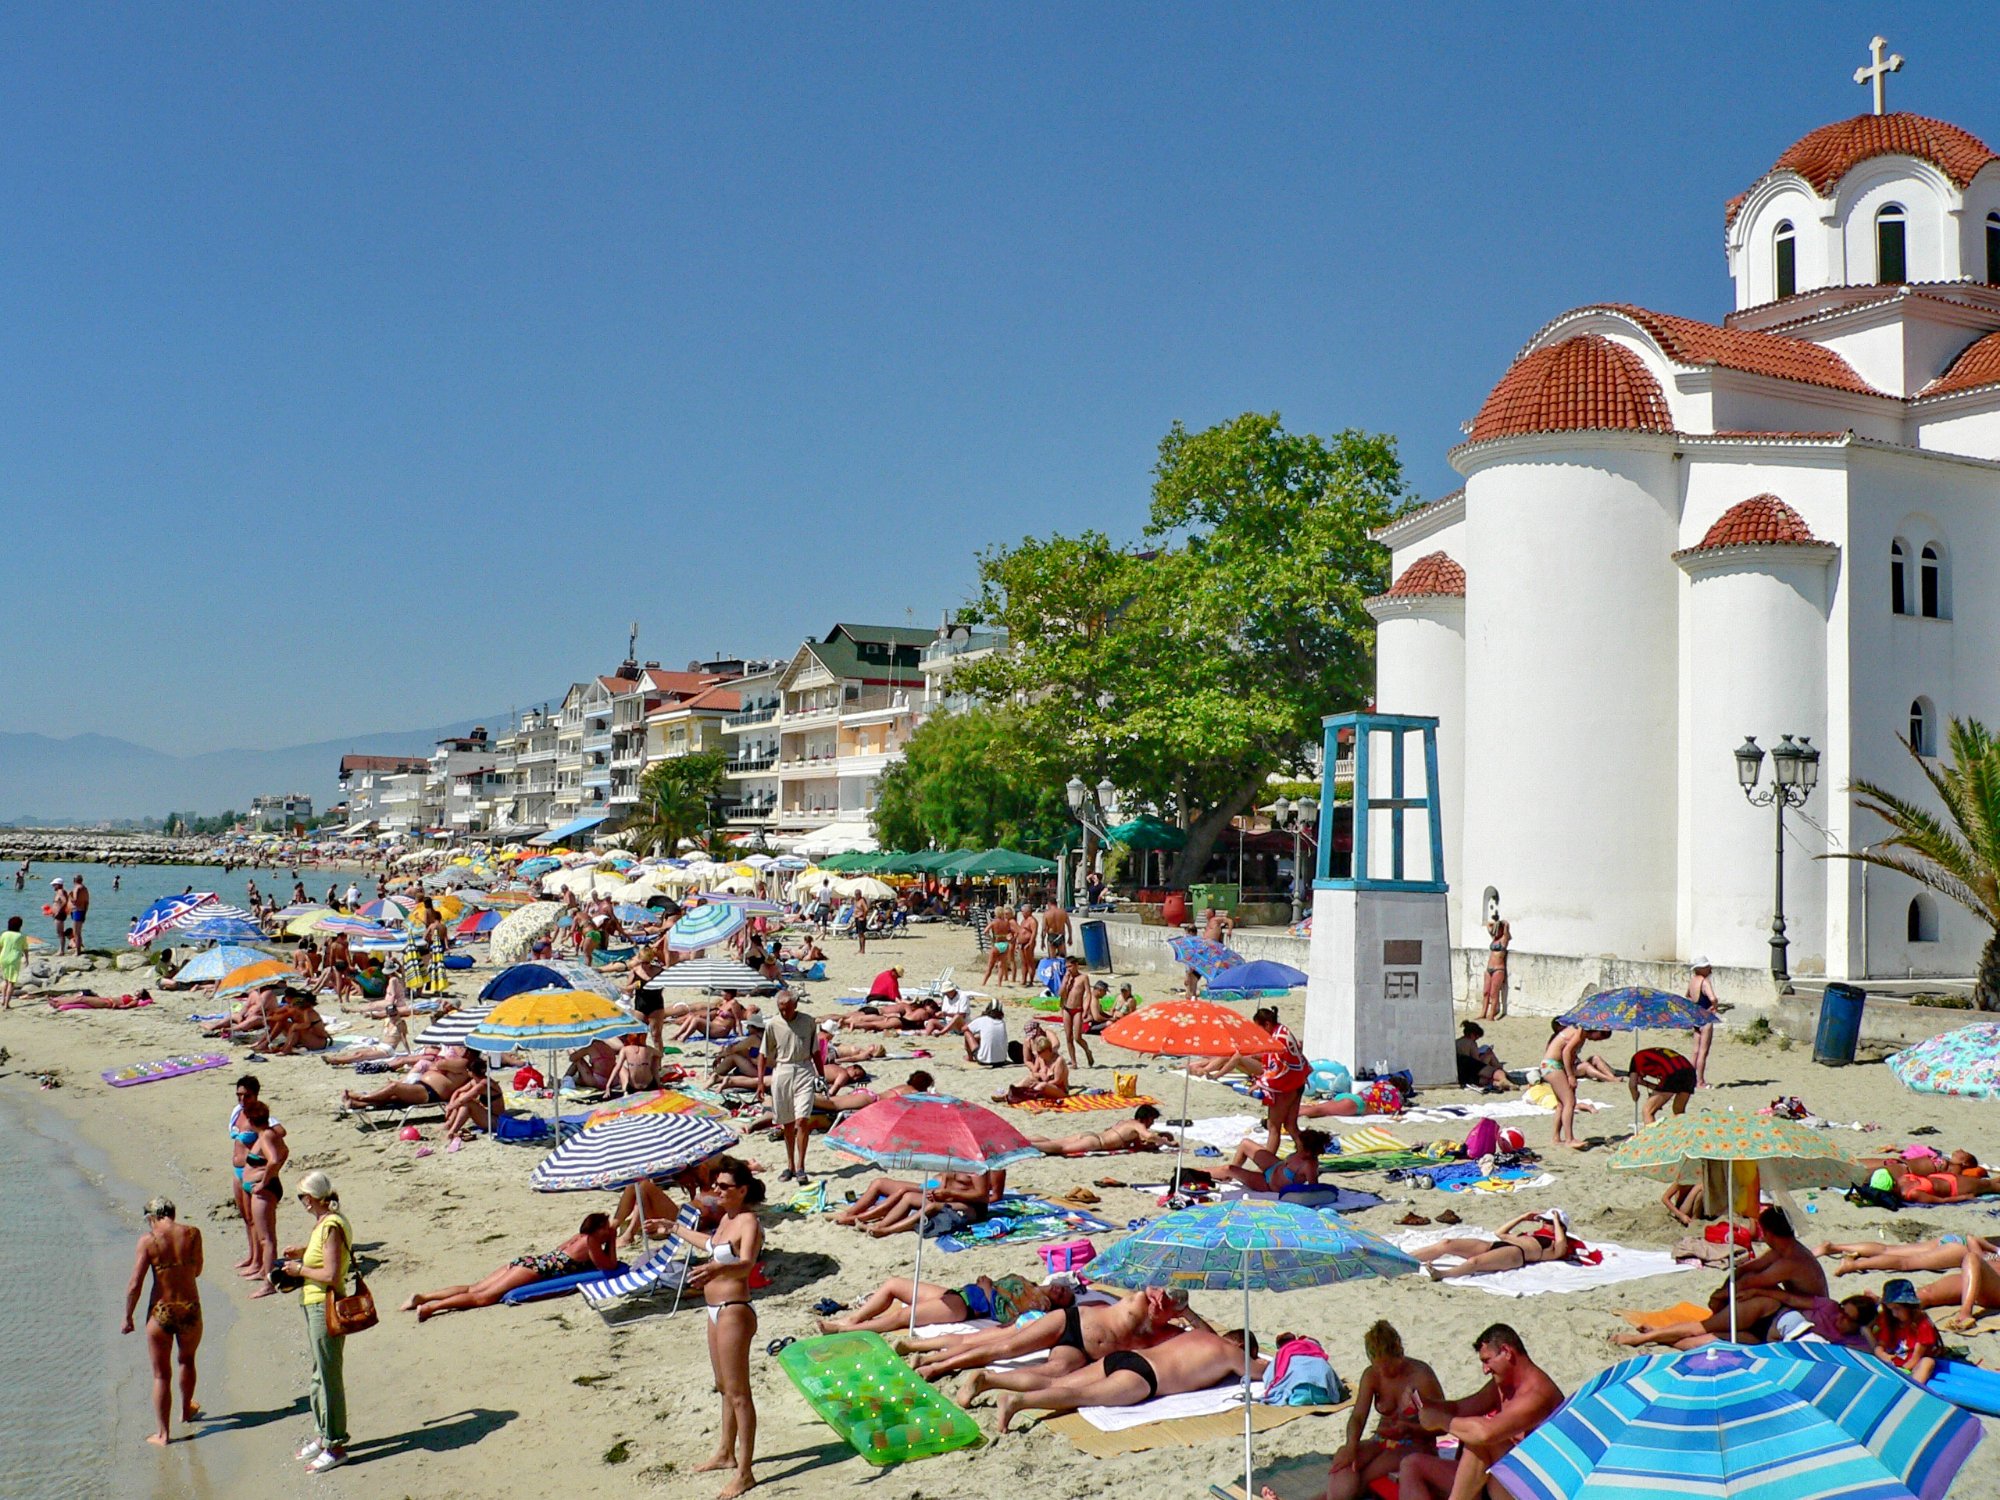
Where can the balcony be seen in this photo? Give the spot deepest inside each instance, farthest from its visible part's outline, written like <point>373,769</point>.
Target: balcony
<point>876,713</point>
<point>751,763</point>
<point>873,763</point>
<point>537,753</point>
<point>800,717</point>
<point>752,718</point>
<point>597,742</point>
<point>628,762</point>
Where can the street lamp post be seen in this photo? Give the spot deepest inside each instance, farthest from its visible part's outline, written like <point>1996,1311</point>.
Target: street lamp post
<point>1093,809</point>
<point>1298,817</point>
<point>1794,774</point>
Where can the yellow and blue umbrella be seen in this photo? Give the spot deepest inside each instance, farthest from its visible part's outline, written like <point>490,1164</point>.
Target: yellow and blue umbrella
<point>1269,1247</point>
<point>548,1019</point>
<point>1763,1422</point>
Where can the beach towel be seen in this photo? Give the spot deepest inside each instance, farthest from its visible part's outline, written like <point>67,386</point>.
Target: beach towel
<point>1321,1197</point>
<point>1228,1396</point>
<point>1019,1219</point>
<point>1680,1312</point>
<point>1619,1263</point>
<point>176,1066</point>
<point>123,1002</point>
<point>1222,1131</point>
<point>1506,1180</point>
<point>1368,1141</point>
<point>1192,1432</point>
<point>1084,1103</point>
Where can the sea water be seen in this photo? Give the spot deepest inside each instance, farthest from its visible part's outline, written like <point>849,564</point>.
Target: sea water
<point>139,886</point>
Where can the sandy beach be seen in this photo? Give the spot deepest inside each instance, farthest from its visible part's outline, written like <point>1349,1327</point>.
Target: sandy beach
<point>548,1398</point>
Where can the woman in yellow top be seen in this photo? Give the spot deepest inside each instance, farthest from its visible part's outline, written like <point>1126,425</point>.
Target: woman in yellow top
<point>323,1265</point>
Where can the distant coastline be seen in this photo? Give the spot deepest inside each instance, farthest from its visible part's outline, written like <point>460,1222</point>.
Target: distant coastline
<point>109,846</point>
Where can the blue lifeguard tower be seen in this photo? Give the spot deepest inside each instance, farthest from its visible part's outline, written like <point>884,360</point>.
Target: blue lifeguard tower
<point>1380,965</point>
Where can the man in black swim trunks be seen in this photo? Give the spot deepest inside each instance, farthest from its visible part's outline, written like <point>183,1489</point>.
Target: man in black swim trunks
<point>1191,1361</point>
<point>430,1084</point>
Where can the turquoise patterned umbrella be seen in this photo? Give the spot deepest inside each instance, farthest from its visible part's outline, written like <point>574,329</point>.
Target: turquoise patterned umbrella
<point>1266,1247</point>
<point>1764,1422</point>
<point>705,926</point>
<point>1964,1062</point>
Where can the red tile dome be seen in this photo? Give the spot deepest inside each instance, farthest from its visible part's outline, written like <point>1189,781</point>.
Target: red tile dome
<point>1830,152</point>
<point>1431,576</point>
<point>1585,383</point>
<point>1978,364</point>
<point>1760,521</point>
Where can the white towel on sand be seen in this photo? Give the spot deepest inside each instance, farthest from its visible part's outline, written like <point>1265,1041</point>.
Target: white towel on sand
<point>1225,1397</point>
<point>1223,1131</point>
<point>1620,1263</point>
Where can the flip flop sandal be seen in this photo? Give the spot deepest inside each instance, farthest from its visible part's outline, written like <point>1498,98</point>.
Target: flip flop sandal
<point>778,1346</point>
<point>1413,1219</point>
<point>826,1307</point>
<point>1082,1195</point>
<point>1450,1216</point>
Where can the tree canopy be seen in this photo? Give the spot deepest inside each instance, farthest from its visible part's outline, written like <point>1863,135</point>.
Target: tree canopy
<point>1190,667</point>
<point>971,780</point>
<point>674,801</point>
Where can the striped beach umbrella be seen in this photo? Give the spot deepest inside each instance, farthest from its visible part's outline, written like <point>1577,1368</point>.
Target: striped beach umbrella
<point>706,926</point>
<point>354,927</point>
<point>216,922</point>
<point>162,914</point>
<point>388,909</point>
<point>1757,1422</point>
<point>712,974</point>
<point>630,1149</point>
<point>208,966</point>
<point>476,924</point>
<point>453,1027</point>
<point>750,906</point>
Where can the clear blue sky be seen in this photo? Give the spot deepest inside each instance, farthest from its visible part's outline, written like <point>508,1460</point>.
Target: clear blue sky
<point>367,367</point>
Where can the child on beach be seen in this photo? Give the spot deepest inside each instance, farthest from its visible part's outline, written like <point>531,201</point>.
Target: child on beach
<point>1908,1339</point>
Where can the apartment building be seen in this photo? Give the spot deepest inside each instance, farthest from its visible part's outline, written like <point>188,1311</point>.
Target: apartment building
<point>362,782</point>
<point>280,812</point>
<point>663,714</point>
<point>750,751</point>
<point>849,703</point>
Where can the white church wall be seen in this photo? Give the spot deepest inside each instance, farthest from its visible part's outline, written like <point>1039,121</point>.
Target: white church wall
<point>1975,434</point>
<point>1748,404</point>
<point>1753,257</point>
<point>1420,669</point>
<point>1812,482</point>
<point>1570,672</point>
<point>1982,197</point>
<point>1931,244</point>
<point>1878,353</point>
<point>1448,539</point>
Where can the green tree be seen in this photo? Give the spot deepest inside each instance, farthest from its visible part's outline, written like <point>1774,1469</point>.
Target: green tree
<point>675,797</point>
<point>970,780</point>
<point>1189,671</point>
<point>1956,853</point>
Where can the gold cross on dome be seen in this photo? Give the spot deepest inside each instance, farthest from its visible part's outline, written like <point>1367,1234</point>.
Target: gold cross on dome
<point>1881,69</point>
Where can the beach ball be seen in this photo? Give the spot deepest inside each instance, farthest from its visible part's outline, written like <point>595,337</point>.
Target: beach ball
<point>1512,1140</point>
<point>410,1133</point>
<point>1383,1098</point>
<point>1330,1077</point>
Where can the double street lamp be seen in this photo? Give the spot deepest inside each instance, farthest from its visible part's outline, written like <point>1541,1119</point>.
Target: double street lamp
<point>1093,809</point>
<point>1298,817</point>
<point>1794,774</point>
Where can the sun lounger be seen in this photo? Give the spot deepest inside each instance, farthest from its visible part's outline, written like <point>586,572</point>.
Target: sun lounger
<point>665,1270</point>
<point>557,1286</point>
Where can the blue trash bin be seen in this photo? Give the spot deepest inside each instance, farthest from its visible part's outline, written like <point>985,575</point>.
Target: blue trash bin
<point>1839,1024</point>
<point>1096,946</point>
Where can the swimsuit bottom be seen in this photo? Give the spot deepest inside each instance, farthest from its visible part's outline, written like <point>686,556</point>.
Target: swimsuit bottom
<point>175,1316</point>
<point>715,1309</point>
<point>549,1263</point>
<point>1121,1360</point>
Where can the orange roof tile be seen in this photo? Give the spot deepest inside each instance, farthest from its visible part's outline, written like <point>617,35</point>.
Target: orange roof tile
<point>1977,364</point>
<point>1759,521</point>
<point>1584,383</point>
<point>1830,152</point>
<point>1434,575</point>
<point>1688,341</point>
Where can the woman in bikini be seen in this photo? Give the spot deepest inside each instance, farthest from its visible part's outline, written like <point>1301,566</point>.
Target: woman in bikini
<point>1395,1388</point>
<point>887,1308</point>
<point>733,1249</point>
<point>1500,937</point>
<point>589,1249</point>
<point>1264,1171</point>
<point>1001,930</point>
<point>171,1252</point>
<point>264,1153</point>
<point>1559,1067</point>
<point>1048,1074</point>
<point>1506,1251</point>
<point>1866,1257</point>
<point>1135,1134</point>
<point>1701,990</point>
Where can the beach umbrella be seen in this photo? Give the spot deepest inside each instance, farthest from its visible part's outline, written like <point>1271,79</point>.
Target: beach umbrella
<point>629,1149</point>
<point>256,975</point>
<point>1189,1028</point>
<point>477,924</point>
<point>215,922</point>
<point>926,1133</point>
<point>996,864</point>
<point>307,922</point>
<point>1636,1008</point>
<point>453,1027</point>
<point>791,862</point>
<point>749,905</point>
<point>1674,1149</point>
<point>210,965</point>
<point>1267,1247</point>
<point>156,918</point>
<point>1965,1062</point>
<point>357,927</point>
<point>705,926</point>
<point>388,909</point>
<point>1255,975</point>
<point>1206,958</point>
<point>548,974</point>
<point>515,938</point>
<point>553,1021</point>
<point>583,881</point>
<point>298,909</point>
<point>1756,1422</point>
<point>711,974</point>
<point>505,898</point>
<point>662,1102</point>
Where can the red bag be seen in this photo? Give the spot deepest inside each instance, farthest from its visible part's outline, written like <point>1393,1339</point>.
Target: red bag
<point>528,1078</point>
<point>1717,1234</point>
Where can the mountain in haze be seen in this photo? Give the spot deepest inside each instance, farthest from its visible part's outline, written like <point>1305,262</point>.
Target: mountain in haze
<point>91,777</point>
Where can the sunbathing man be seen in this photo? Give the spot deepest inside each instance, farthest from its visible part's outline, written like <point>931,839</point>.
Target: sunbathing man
<point>252,1013</point>
<point>1003,1299</point>
<point>430,1081</point>
<point>1265,1171</point>
<point>1506,1251</point>
<point>1072,1336</point>
<point>1864,1257</point>
<point>589,1249</point>
<point>1191,1361</point>
<point>1784,1265</point>
<point>827,1105</point>
<point>1135,1134</point>
<point>959,1199</point>
<point>1516,1399</point>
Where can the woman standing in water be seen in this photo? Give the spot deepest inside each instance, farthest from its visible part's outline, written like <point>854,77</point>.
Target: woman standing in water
<point>171,1251</point>
<point>734,1248</point>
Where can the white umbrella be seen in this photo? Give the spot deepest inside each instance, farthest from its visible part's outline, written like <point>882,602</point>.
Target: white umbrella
<point>515,938</point>
<point>584,882</point>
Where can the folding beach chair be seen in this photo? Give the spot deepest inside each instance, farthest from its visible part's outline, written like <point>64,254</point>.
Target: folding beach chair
<point>665,1270</point>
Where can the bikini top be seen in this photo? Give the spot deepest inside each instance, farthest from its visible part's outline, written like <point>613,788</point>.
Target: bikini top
<point>244,1137</point>
<point>724,1253</point>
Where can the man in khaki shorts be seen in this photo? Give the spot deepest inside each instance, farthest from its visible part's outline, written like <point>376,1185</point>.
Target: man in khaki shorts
<point>787,1072</point>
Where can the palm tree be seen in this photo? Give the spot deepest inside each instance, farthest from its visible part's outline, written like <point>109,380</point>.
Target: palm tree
<point>674,798</point>
<point>1956,854</point>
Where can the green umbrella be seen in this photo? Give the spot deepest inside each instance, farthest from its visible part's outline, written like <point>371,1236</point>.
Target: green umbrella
<point>1001,864</point>
<point>1148,833</point>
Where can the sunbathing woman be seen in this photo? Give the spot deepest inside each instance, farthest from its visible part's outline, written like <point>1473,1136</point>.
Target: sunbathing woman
<point>1395,1388</point>
<point>1266,1172</point>
<point>1072,1335</point>
<point>296,1028</point>
<point>429,1082</point>
<point>1506,1251</point>
<point>593,1066</point>
<point>827,1105</point>
<point>1048,1074</point>
<point>472,1105</point>
<point>249,1016</point>
<point>1974,1286</point>
<point>637,1068</point>
<point>1952,1179</point>
<point>1003,1299</point>
<point>1135,1134</point>
<point>1864,1257</point>
<point>1146,1327</point>
<point>589,1249</point>
<point>725,1018</point>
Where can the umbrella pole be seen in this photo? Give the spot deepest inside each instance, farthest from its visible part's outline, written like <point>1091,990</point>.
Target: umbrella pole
<point>1180,1144</point>
<point>1732,1259</point>
<point>1248,1490</point>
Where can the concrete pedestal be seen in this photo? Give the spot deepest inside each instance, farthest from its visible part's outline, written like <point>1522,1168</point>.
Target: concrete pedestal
<point>1381,983</point>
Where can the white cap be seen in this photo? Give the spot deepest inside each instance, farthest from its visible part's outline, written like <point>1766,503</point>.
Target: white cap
<point>1701,962</point>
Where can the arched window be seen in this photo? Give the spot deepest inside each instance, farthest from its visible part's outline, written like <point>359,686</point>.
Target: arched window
<point>1899,593</point>
<point>1993,248</point>
<point>1891,260</point>
<point>1922,920</point>
<point>1785,259</point>
<point>1923,727</point>
<point>1930,573</point>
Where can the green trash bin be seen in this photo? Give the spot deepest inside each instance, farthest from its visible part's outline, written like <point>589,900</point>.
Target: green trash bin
<point>1220,897</point>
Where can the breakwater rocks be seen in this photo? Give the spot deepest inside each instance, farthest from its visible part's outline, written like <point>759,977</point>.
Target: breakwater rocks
<point>71,845</point>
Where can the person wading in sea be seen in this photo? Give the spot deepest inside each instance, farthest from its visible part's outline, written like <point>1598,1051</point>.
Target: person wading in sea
<point>171,1252</point>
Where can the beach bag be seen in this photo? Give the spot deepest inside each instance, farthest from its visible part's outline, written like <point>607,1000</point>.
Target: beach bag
<point>1124,1085</point>
<point>1483,1139</point>
<point>354,1313</point>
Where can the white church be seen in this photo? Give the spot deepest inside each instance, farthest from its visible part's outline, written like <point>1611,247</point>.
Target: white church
<point>1674,534</point>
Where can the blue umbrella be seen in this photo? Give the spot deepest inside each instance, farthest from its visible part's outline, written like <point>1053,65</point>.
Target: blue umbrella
<point>1762,1422</point>
<point>1257,974</point>
<point>635,916</point>
<point>1636,1008</point>
<point>706,926</point>
<point>541,864</point>
<point>156,918</point>
<point>211,964</point>
<point>1272,1247</point>
<point>553,974</point>
<point>1205,957</point>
